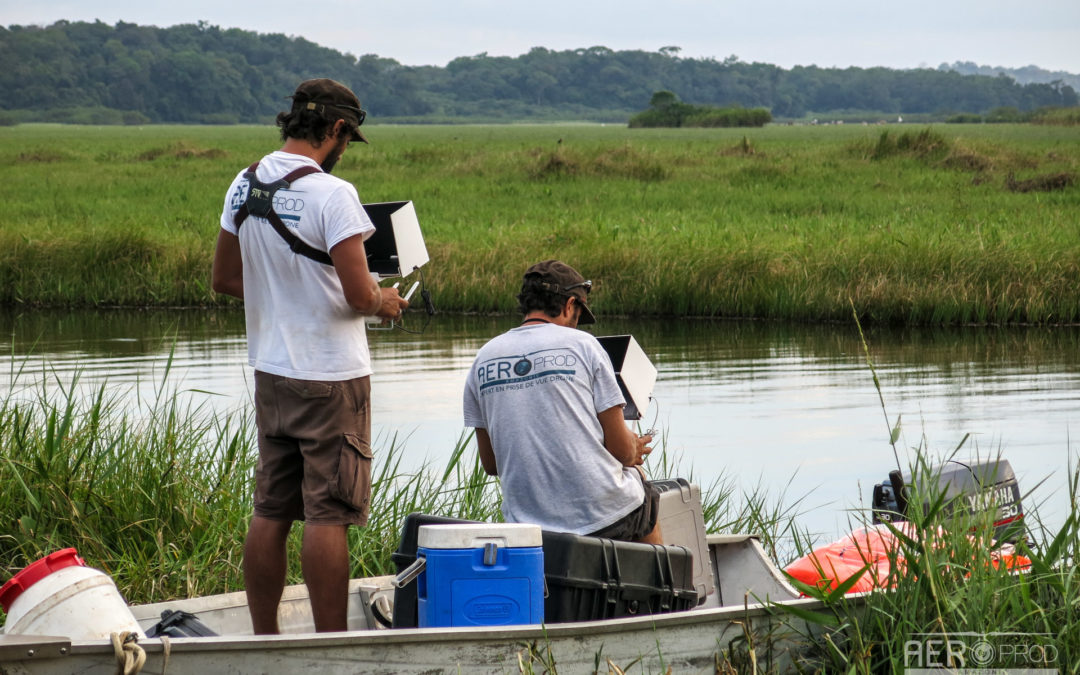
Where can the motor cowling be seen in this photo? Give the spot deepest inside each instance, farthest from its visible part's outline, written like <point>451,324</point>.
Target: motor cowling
<point>977,487</point>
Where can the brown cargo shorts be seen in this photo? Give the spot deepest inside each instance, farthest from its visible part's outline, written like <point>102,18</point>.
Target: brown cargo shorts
<point>314,450</point>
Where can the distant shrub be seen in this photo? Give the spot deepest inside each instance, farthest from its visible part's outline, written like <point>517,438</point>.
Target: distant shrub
<point>1059,116</point>
<point>728,117</point>
<point>133,118</point>
<point>41,156</point>
<point>84,115</point>
<point>217,118</point>
<point>624,162</point>
<point>743,148</point>
<point>99,115</point>
<point>925,143</point>
<point>672,115</point>
<point>1006,114</point>
<point>1042,183</point>
<point>964,118</point>
<point>965,160</point>
<point>554,165</point>
<point>667,111</point>
<point>181,151</point>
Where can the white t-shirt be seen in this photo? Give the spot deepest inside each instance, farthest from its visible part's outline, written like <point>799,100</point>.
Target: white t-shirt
<point>298,322</point>
<point>537,389</point>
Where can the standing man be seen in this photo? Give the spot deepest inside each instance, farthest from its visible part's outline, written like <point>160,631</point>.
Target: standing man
<point>548,415</point>
<point>291,245</point>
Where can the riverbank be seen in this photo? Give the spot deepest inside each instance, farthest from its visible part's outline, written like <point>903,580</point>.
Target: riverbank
<point>919,225</point>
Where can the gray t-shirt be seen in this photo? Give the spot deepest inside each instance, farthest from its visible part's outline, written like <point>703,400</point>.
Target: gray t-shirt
<point>537,390</point>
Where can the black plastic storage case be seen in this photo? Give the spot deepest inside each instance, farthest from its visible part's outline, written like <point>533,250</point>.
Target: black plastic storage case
<point>592,578</point>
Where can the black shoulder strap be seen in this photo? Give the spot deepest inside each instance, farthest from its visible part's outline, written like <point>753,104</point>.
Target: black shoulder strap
<point>260,202</point>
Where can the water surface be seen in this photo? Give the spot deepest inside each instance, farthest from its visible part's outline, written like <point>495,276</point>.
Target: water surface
<point>791,408</point>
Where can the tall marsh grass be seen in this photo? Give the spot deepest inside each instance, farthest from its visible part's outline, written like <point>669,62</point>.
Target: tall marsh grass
<point>1061,116</point>
<point>155,497</point>
<point>159,496</point>
<point>948,587</point>
<point>938,225</point>
<point>954,598</point>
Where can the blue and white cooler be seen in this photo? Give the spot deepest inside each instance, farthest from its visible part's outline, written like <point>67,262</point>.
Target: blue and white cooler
<point>480,574</point>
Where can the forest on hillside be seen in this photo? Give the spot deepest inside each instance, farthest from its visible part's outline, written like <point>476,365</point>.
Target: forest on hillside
<point>199,73</point>
<point>1024,75</point>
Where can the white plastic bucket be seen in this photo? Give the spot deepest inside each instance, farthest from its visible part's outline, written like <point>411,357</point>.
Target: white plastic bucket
<point>59,595</point>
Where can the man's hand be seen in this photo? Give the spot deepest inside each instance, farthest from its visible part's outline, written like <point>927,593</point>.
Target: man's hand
<point>392,304</point>
<point>623,444</point>
<point>643,448</point>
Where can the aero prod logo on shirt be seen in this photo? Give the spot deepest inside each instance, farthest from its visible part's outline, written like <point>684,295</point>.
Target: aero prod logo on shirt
<point>525,371</point>
<point>288,206</point>
<point>287,203</point>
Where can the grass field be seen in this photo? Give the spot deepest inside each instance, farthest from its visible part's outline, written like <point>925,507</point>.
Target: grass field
<point>913,224</point>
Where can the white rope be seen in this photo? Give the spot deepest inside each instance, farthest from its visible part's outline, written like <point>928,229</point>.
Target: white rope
<point>130,657</point>
<point>166,649</point>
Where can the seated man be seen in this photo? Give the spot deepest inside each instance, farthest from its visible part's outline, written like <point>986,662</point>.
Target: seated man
<point>549,420</point>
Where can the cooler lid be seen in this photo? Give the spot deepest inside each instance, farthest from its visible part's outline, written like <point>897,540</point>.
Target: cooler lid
<point>476,535</point>
<point>35,572</point>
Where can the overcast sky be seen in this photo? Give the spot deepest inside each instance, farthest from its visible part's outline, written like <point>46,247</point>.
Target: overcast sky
<point>899,34</point>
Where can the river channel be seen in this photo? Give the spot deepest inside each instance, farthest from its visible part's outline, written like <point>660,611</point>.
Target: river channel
<point>789,409</point>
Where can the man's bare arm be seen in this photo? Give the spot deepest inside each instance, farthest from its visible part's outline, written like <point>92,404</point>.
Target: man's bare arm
<point>487,453</point>
<point>361,292</point>
<point>622,443</point>
<point>228,272</point>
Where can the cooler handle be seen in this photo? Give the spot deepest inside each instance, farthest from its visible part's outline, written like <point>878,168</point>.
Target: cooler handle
<point>409,574</point>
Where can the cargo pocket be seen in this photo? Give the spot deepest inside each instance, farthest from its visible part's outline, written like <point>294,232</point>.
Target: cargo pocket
<point>352,482</point>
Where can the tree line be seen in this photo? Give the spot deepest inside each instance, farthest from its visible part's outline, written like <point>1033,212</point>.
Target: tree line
<point>199,73</point>
<point>1023,75</point>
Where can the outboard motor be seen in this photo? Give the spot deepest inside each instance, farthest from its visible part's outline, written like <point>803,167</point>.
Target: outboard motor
<point>978,487</point>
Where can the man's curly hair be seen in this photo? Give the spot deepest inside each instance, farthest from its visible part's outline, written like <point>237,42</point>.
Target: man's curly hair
<point>308,125</point>
<point>534,297</point>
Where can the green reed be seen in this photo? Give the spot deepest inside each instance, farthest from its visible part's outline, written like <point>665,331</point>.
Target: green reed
<point>159,497</point>
<point>945,224</point>
<point>947,581</point>
<point>154,497</point>
<point>158,493</point>
<point>946,584</point>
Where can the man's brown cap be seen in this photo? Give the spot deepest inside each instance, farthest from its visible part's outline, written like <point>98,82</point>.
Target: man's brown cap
<point>557,277</point>
<point>331,98</point>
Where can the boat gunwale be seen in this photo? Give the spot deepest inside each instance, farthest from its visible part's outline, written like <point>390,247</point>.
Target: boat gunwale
<point>523,633</point>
